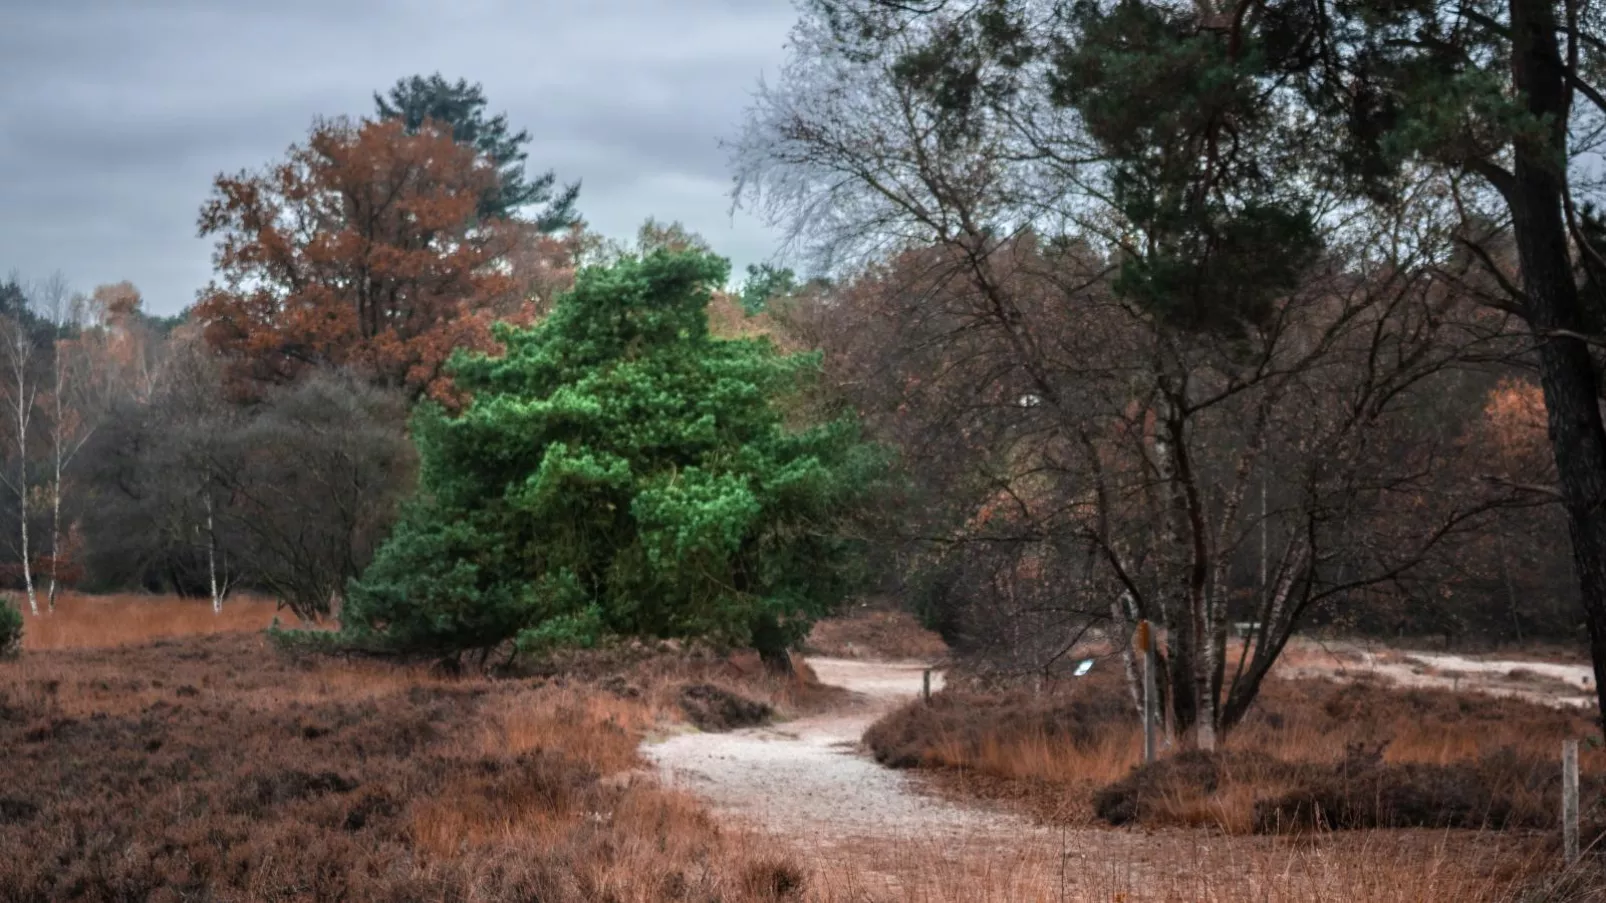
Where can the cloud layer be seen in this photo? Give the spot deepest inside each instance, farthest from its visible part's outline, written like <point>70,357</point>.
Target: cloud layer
<point>117,115</point>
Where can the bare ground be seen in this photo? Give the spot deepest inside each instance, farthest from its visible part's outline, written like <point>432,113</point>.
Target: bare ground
<point>1548,683</point>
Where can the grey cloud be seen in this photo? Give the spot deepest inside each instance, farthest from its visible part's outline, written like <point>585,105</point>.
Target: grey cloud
<point>118,114</point>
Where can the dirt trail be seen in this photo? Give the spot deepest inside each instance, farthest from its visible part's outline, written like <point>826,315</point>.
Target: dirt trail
<point>870,835</point>
<point>807,777</point>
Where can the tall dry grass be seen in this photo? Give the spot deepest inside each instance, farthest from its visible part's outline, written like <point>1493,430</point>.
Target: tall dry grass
<point>96,622</point>
<point>1364,753</point>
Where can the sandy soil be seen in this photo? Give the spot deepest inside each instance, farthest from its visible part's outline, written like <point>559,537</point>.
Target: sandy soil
<point>1547,683</point>
<point>808,777</point>
<point>870,833</point>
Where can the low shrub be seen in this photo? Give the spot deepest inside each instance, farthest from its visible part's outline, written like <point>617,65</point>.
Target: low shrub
<point>1498,791</point>
<point>714,708</point>
<point>1312,754</point>
<point>960,729</point>
<point>10,629</point>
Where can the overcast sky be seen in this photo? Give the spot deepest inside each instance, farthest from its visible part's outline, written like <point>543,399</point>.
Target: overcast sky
<point>115,115</point>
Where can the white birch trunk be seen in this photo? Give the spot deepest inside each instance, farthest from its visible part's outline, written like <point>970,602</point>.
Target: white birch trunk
<point>24,406</point>
<point>211,557</point>
<point>55,495</point>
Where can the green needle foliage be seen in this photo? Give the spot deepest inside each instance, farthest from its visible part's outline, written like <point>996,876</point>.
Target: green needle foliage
<point>10,629</point>
<point>620,471</point>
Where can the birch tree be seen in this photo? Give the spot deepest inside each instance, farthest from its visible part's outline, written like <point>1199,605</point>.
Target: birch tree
<point>19,360</point>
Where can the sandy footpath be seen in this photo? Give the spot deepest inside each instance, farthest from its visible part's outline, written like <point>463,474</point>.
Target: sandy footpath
<point>808,777</point>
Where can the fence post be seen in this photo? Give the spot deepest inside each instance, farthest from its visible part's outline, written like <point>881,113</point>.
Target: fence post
<point>925,687</point>
<point>1569,800</point>
<point>1145,641</point>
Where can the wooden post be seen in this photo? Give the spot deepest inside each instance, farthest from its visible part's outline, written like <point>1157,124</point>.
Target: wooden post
<point>925,687</point>
<point>1145,643</point>
<point>1569,800</point>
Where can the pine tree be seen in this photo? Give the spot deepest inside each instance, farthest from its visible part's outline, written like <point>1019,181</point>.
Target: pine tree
<point>621,471</point>
<point>461,106</point>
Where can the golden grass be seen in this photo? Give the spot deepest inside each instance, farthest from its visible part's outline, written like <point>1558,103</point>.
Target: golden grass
<point>98,622</point>
<point>1051,754</point>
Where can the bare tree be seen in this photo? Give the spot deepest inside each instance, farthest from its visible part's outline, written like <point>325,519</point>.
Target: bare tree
<point>19,357</point>
<point>1121,442</point>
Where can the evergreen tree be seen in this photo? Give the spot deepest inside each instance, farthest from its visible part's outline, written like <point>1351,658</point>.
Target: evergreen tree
<point>461,106</point>
<point>621,471</point>
<point>765,282</point>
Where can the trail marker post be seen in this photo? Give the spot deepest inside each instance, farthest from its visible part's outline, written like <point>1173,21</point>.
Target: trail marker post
<point>925,687</point>
<point>1569,800</point>
<point>1144,639</point>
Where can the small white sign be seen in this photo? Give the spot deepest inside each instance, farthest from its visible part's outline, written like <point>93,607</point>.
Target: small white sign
<point>1083,667</point>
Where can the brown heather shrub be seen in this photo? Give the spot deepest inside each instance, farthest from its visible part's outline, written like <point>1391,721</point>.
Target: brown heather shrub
<point>214,768</point>
<point>1312,754</point>
<point>875,631</point>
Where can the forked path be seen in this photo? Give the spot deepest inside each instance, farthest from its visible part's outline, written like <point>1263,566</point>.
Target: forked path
<point>808,780</point>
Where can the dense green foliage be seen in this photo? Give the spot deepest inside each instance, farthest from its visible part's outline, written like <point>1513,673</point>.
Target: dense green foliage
<point>10,630</point>
<point>620,471</point>
<point>765,282</point>
<point>462,106</point>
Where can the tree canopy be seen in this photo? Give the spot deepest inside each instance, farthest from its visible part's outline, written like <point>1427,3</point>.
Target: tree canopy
<point>460,107</point>
<point>361,249</point>
<point>621,471</point>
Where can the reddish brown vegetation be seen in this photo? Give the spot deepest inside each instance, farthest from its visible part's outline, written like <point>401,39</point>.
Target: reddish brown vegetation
<point>1314,753</point>
<point>83,622</point>
<point>363,249</point>
<point>214,767</point>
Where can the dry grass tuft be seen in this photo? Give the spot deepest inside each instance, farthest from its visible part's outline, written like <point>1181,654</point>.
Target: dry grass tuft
<point>97,622</point>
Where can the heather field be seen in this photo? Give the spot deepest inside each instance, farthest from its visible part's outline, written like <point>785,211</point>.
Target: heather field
<point>172,754</point>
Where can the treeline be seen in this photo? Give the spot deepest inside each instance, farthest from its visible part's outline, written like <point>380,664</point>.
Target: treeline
<point>421,396</point>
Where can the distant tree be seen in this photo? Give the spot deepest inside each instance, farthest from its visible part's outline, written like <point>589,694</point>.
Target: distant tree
<point>312,482</point>
<point>621,471</point>
<point>764,282</point>
<point>157,469</point>
<point>460,106</point>
<point>26,340</point>
<point>290,496</point>
<point>361,249</point>
<point>11,630</point>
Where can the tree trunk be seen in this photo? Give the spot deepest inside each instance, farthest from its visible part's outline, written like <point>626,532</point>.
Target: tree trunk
<point>23,406</point>
<point>770,642</point>
<point>1535,193</point>
<point>211,556</point>
<point>55,516</point>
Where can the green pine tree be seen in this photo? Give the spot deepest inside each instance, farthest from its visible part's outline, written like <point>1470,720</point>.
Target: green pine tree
<point>620,471</point>
<point>462,106</point>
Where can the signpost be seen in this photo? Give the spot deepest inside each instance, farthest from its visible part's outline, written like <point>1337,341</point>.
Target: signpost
<point>1144,640</point>
<point>1569,800</point>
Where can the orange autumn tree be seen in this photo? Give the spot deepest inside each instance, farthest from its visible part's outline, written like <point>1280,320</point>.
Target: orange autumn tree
<point>361,249</point>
